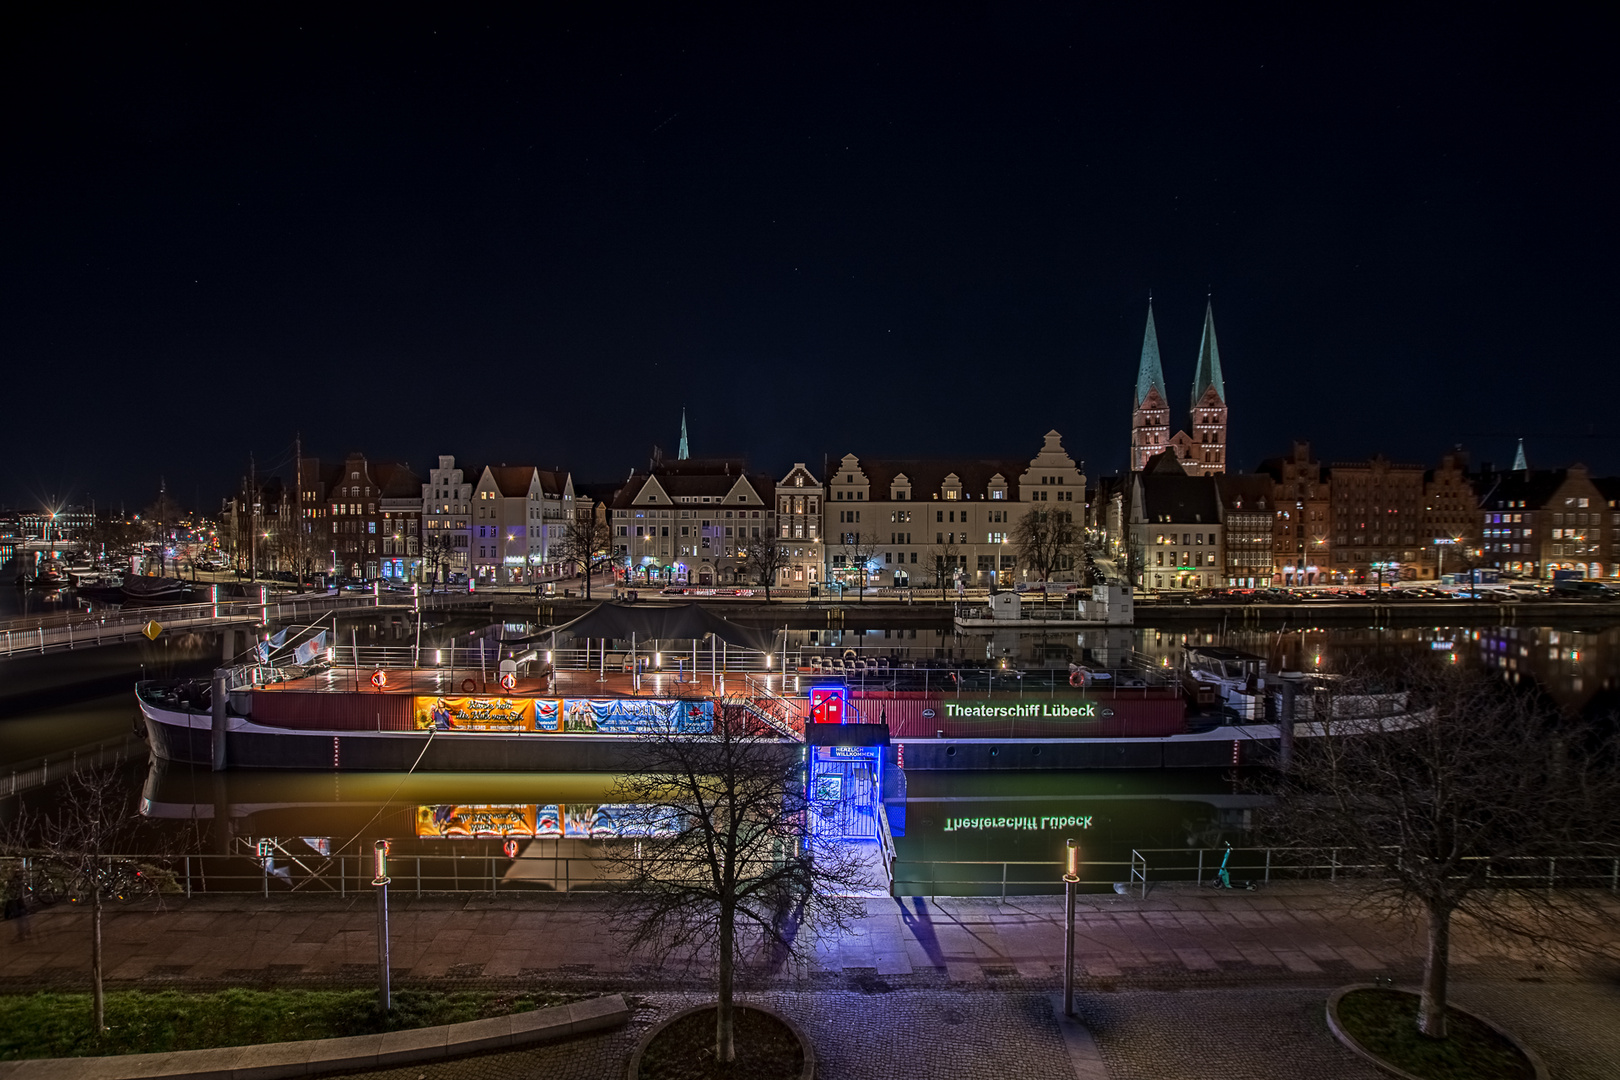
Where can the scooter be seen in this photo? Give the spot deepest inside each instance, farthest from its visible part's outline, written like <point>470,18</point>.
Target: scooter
<point>1222,880</point>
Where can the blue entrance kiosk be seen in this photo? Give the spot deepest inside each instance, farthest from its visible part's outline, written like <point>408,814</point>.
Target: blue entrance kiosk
<point>845,781</point>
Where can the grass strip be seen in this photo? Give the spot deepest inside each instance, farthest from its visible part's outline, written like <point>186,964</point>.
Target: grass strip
<point>139,1022</point>
<point>1385,1023</point>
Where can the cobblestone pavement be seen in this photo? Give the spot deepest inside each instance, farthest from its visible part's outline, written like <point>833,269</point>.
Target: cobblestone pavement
<point>1280,1033</point>
<point>1287,934</point>
<point>1235,1033</point>
<point>923,1035</point>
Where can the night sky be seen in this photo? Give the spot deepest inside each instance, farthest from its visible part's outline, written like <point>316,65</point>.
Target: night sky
<point>821,230</point>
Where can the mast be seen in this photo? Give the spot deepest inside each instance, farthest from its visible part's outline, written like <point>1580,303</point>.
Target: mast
<point>253,524</point>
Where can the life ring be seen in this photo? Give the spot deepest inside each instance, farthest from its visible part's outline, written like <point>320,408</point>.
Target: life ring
<point>510,847</point>
<point>468,686</point>
<point>1077,677</point>
<point>378,679</point>
<point>508,681</point>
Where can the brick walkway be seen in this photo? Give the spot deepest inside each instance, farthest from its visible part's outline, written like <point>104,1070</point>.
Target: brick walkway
<point>1302,934</point>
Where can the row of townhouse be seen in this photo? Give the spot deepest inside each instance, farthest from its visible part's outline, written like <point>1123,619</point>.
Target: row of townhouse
<point>370,519</point>
<point>1296,521</point>
<point>872,522</point>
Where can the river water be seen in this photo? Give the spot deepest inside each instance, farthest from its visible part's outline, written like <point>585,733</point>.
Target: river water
<point>963,832</point>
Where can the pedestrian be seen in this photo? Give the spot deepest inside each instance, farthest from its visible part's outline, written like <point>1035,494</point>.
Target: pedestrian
<point>21,916</point>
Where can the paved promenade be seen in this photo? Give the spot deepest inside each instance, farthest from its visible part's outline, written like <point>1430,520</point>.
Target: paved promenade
<point>1176,937</point>
<point>1189,983</point>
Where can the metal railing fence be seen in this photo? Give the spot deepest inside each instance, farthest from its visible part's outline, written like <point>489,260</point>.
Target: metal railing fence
<point>1576,868</point>
<point>76,630</point>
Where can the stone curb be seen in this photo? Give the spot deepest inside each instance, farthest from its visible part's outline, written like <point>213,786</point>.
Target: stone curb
<point>808,1072</point>
<point>310,1057</point>
<point>1337,1027</point>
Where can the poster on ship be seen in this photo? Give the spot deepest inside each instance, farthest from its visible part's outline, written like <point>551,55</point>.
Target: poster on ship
<point>466,821</point>
<point>621,716</point>
<point>546,821</point>
<point>450,714</point>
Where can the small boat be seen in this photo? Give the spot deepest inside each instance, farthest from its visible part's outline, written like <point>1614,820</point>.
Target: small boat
<point>1236,678</point>
<point>154,590</point>
<point>49,577</point>
<point>104,588</point>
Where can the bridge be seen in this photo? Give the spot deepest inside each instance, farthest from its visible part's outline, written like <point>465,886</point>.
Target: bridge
<point>64,631</point>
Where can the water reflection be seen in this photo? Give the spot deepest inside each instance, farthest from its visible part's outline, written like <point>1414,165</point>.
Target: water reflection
<point>1578,666</point>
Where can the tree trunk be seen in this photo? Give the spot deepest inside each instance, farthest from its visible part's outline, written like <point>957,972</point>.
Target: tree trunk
<point>1432,1003</point>
<point>98,996</point>
<point>725,1048</point>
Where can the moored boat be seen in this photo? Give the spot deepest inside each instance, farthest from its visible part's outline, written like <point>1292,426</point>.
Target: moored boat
<point>155,590</point>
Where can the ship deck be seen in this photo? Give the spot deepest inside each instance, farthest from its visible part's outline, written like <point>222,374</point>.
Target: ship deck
<point>438,682</point>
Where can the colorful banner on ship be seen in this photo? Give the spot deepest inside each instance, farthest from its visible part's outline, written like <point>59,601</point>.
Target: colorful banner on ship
<point>626,716</point>
<point>585,716</point>
<point>554,821</point>
<point>474,714</point>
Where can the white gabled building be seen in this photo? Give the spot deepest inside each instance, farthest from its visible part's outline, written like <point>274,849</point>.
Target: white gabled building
<point>518,517</point>
<point>798,522</point>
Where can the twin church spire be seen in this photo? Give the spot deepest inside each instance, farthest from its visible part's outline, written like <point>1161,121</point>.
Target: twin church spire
<point>1202,449</point>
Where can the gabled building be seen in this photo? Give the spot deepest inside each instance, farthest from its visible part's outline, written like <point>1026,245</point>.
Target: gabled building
<point>518,513</point>
<point>1201,448</point>
<point>1175,531</point>
<point>1302,500</point>
<point>906,519</point>
<point>798,524</point>
<point>446,518</point>
<point>1451,515</point>
<point>689,521</point>
<point>345,504</point>
<point>400,499</point>
<point>1538,522</point>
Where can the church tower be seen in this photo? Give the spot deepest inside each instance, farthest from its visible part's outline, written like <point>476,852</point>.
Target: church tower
<point>1207,420</point>
<point>1150,419</point>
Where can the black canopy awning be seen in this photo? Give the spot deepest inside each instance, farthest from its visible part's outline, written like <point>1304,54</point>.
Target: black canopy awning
<point>663,622</point>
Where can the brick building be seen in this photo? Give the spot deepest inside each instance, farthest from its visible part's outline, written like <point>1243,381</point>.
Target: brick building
<point>1301,540</point>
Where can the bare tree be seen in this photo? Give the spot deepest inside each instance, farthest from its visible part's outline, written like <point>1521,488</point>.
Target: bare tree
<point>1452,807</point>
<point>586,543</point>
<point>80,848</point>
<point>945,556</point>
<point>715,840</point>
<point>767,557</point>
<point>437,549</point>
<point>858,548</point>
<point>1048,541</point>
<point>296,549</point>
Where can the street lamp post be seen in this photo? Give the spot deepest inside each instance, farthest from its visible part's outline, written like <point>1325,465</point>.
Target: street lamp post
<point>1071,879</point>
<point>379,854</point>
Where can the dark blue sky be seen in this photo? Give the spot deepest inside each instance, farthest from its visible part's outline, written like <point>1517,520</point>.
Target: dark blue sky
<point>821,230</point>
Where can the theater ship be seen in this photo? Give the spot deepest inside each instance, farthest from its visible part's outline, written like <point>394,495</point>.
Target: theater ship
<point>536,705</point>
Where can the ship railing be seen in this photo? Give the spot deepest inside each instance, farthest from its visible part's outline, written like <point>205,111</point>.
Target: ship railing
<point>768,706</point>
<point>1026,682</point>
<point>667,657</point>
